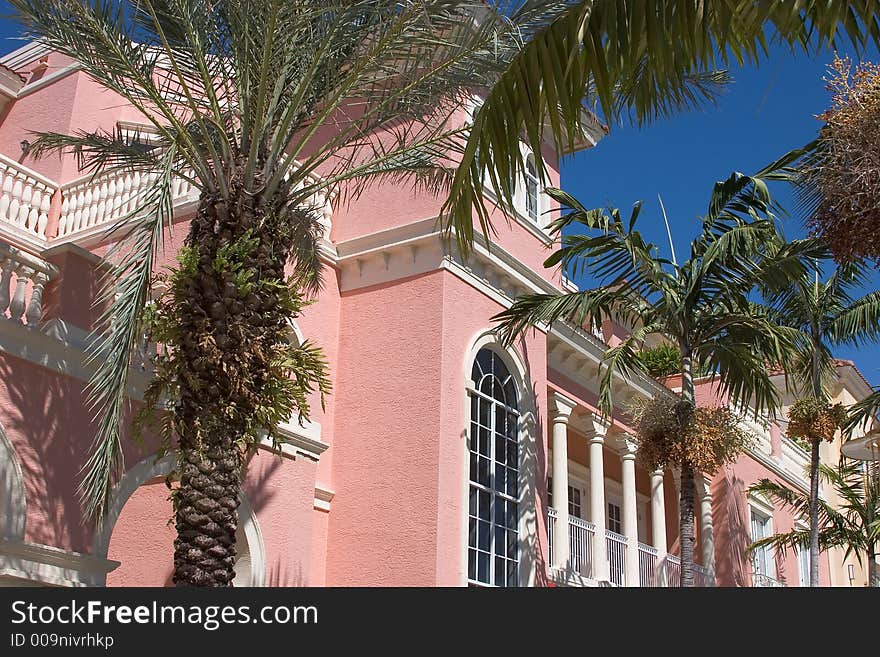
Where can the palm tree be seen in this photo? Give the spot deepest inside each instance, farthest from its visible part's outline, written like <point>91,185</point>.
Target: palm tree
<point>237,93</point>
<point>827,315</point>
<point>855,526</point>
<point>630,59</point>
<point>701,306</point>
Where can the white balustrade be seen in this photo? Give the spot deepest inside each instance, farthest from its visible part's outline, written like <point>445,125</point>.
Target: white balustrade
<point>616,547</point>
<point>761,580</point>
<point>25,198</point>
<point>23,278</point>
<point>673,570</point>
<point>109,197</point>
<point>673,573</point>
<point>647,565</point>
<point>580,538</point>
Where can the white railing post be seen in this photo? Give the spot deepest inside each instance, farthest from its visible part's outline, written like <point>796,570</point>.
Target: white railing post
<point>25,198</point>
<point>30,272</point>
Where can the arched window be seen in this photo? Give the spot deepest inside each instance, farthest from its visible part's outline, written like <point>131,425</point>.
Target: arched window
<point>531,189</point>
<point>494,495</point>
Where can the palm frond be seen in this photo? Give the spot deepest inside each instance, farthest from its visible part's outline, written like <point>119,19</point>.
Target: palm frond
<point>124,293</point>
<point>601,48</point>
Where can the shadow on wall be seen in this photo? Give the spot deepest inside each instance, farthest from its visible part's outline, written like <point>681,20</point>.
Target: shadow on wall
<point>48,423</point>
<point>283,574</point>
<point>537,470</point>
<point>736,570</point>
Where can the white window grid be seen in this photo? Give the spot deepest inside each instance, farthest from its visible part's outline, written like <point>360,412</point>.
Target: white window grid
<point>494,496</point>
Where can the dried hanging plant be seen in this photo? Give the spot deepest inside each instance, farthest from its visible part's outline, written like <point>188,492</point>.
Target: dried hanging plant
<point>672,431</point>
<point>846,169</point>
<point>815,419</point>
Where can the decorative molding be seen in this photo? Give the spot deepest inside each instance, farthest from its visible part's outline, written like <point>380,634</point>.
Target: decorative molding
<point>53,566</point>
<point>323,497</point>
<point>29,52</point>
<point>300,440</point>
<point>48,79</point>
<point>60,347</point>
<point>560,406</point>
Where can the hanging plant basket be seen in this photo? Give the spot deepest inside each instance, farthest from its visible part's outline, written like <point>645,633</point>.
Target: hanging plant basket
<point>812,419</point>
<point>671,431</point>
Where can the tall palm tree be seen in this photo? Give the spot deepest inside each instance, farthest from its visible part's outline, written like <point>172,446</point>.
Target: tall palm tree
<point>827,315</point>
<point>238,93</point>
<point>701,306</point>
<point>629,59</point>
<point>855,526</point>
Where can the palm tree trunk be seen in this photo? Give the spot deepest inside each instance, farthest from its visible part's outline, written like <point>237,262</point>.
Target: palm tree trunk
<point>207,516</point>
<point>814,463</point>
<point>231,322</point>
<point>687,538</point>
<point>814,514</point>
<point>686,532</point>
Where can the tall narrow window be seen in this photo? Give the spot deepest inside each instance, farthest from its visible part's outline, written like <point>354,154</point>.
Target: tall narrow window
<point>762,562</point>
<point>531,189</point>
<point>493,516</point>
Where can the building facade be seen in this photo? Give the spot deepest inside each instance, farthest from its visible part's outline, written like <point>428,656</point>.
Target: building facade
<point>441,458</point>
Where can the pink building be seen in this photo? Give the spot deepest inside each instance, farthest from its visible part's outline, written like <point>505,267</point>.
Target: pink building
<point>441,459</point>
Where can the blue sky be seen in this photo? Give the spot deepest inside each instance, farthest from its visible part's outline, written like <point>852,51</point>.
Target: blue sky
<point>767,111</point>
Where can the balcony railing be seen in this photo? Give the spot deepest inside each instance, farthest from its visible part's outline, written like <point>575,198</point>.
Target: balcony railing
<point>25,198</point>
<point>673,573</point>
<point>647,565</point>
<point>580,539</point>
<point>765,581</point>
<point>23,278</point>
<point>701,576</point>
<point>673,570</point>
<point>616,545</point>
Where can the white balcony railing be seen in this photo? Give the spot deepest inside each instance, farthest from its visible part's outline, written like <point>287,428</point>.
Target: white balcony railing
<point>761,580</point>
<point>25,198</point>
<point>673,573</point>
<point>647,565</point>
<point>23,277</point>
<point>616,545</point>
<point>97,200</point>
<point>580,539</point>
<point>103,199</point>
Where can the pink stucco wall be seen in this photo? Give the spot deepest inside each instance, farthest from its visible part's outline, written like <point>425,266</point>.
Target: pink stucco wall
<point>382,526</point>
<point>731,520</point>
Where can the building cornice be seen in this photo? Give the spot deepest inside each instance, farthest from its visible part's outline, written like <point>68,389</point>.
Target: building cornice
<point>51,565</point>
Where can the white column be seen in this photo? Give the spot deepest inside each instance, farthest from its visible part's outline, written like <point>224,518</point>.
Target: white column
<point>707,534</point>
<point>597,500</point>
<point>560,411</point>
<point>630,512</point>
<point>658,525</point>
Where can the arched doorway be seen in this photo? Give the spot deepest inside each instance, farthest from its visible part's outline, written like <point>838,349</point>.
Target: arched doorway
<point>138,535</point>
